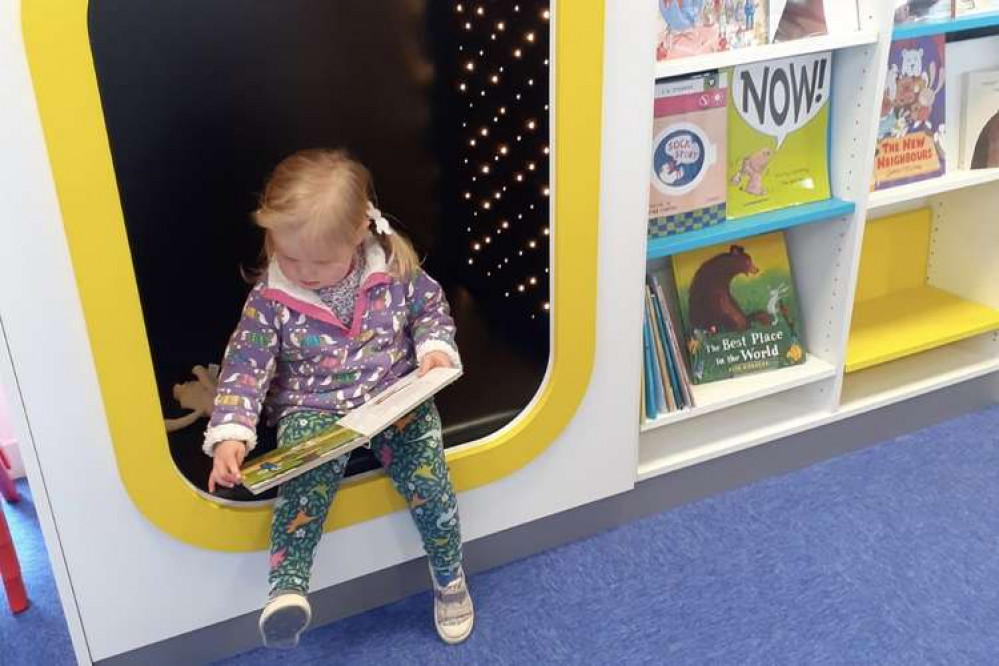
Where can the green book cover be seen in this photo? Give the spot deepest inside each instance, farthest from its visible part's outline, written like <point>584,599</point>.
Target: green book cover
<point>739,310</point>
<point>280,465</point>
<point>778,134</point>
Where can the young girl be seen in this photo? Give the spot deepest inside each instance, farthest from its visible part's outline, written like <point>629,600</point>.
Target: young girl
<point>342,311</point>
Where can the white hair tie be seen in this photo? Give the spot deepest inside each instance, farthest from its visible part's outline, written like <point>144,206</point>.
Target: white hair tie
<point>382,225</point>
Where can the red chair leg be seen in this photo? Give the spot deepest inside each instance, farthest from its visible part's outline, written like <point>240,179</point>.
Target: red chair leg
<point>10,570</point>
<point>7,488</point>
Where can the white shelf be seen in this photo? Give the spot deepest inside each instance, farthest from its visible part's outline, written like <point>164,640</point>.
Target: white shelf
<point>863,391</point>
<point>700,63</point>
<point>954,180</point>
<point>733,444</point>
<point>913,376</point>
<point>730,392</point>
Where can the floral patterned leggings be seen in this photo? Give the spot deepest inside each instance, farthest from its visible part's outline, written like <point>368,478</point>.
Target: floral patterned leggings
<point>412,454</point>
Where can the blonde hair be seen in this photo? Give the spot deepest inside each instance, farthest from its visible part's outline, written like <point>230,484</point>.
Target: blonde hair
<point>325,193</point>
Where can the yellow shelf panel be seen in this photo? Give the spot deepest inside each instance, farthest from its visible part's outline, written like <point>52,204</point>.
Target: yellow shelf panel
<point>911,321</point>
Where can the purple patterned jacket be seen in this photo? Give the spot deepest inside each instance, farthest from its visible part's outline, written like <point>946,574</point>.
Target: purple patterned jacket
<point>290,352</point>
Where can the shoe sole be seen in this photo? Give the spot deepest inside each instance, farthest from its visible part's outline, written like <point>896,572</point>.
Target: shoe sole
<point>283,626</point>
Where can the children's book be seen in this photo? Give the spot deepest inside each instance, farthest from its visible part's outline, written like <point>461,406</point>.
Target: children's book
<point>670,311</point>
<point>911,131</point>
<point>352,431</point>
<point>908,11</point>
<point>778,141</point>
<point>670,376</point>
<point>687,190</point>
<point>689,27</point>
<point>667,309</point>
<point>980,130</point>
<point>739,309</point>
<point>796,19</point>
<point>663,374</point>
<point>648,366</point>
<point>692,27</point>
<point>744,22</point>
<point>966,7</point>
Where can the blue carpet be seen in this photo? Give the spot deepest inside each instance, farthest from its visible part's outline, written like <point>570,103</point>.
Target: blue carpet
<point>884,556</point>
<point>38,635</point>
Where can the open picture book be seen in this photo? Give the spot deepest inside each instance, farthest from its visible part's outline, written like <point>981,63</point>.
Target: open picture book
<point>353,431</point>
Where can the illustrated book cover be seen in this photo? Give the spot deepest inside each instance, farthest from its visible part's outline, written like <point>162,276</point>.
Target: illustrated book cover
<point>689,27</point>
<point>687,182</point>
<point>739,308</point>
<point>694,27</point>
<point>912,129</point>
<point>797,19</point>
<point>778,141</point>
<point>909,11</point>
<point>980,129</point>
<point>352,431</point>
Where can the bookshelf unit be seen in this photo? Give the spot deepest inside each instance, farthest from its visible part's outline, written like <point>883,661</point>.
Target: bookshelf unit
<point>898,290</point>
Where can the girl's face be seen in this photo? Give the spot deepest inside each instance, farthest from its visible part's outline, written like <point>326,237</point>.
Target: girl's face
<point>313,264</point>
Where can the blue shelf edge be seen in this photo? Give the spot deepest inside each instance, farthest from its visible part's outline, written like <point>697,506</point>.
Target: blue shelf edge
<point>974,22</point>
<point>754,225</point>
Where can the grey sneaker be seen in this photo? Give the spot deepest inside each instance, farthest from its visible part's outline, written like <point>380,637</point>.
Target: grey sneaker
<point>454,614</point>
<point>283,620</point>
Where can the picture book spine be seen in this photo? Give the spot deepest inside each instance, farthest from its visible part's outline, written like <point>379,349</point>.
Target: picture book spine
<point>664,393</point>
<point>676,341</point>
<point>650,404</point>
<point>667,347</point>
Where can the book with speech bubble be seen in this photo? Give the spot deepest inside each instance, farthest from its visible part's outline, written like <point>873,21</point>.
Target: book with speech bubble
<point>778,134</point>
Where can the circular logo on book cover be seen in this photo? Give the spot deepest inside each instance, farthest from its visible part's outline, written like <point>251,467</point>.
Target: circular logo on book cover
<point>680,159</point>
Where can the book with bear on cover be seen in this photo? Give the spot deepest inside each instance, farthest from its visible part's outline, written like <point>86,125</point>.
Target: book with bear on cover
<point>739,309</point>
<point>352,431</point>
<point>911,131</point>
<point>980,129</point>
<point>687,186</point>
<point>693,27</point>
<point>778,134</point>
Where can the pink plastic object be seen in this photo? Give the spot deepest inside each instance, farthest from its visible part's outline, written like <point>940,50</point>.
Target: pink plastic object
<point>7,488</point>
<point>10,569</point>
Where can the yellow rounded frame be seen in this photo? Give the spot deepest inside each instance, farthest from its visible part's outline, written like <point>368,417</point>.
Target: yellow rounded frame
<point>57,43</point>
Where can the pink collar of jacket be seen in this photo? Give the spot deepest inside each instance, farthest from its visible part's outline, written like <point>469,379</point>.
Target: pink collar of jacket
<point>306,301</point>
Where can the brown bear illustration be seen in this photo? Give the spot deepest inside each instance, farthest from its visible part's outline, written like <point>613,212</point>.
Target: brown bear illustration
<point>752,170</point>
<point>712,306</point>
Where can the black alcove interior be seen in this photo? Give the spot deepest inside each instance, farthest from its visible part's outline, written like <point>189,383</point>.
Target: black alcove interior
<point>202,99</point>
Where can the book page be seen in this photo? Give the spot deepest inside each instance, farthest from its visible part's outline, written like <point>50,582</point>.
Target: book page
<point>398,400</point>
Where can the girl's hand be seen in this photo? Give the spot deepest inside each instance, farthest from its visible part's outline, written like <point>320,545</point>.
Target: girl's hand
<point>435,359</point>
<point>228,457</point>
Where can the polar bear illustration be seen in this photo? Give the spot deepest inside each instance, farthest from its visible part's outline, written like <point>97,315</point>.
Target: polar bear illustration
<point>912,63</point>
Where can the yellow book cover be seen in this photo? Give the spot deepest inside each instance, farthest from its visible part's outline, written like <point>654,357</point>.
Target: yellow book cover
<point>778,141</point>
